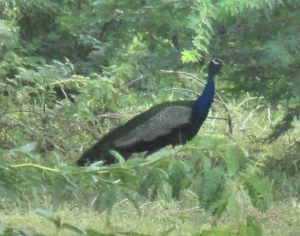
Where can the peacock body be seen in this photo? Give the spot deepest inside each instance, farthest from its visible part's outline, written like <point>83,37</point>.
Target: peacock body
<point>169,123</point>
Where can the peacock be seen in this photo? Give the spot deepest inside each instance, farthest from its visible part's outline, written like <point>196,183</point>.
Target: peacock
<point>169,123</point>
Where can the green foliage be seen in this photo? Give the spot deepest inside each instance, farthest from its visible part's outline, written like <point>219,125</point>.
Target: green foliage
<point>10,182</point>
<point>58,223</point>
<point>253,228</point>
<point>120,41</point>
<point>72,70</point>
<point>266,64</point>
<point>213,185</point>
<point>258,190</point>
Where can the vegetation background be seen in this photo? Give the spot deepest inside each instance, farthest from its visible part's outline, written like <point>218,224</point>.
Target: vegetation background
<point>72,70</point>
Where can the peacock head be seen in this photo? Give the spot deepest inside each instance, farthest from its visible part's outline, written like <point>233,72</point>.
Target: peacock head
<point>214,66</point>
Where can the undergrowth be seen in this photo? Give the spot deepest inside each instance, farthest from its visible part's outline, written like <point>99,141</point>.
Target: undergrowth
<point>70,71</point>
<point>225,179</point>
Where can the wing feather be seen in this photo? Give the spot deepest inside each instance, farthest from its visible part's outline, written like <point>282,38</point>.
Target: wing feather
<point>160,124</point>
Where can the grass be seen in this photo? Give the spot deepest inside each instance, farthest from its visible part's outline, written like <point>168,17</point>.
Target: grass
<point>281,219</point>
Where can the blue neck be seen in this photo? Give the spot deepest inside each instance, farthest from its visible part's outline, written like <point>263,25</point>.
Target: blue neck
<point>203,103</point>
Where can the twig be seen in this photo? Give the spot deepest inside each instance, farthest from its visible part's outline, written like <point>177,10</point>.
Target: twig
<point>182,89</point>
<point>229,120</point>
<point>218,118</point>
<point>124,200</point>
<point>183,73</point>
<point>59,82</point>
<point>36,131</point>
<point>246,100</point>
<point>64,92</point>
<point>250,114</point>
<point>136,80</point>
<point>34,165</point>
<point>94,200</point>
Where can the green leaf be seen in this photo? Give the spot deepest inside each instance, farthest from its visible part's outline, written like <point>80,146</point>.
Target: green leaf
<point>71,227</point>
<point>190,56</point>
<point>234,208</point>
<point>25,148</point>
<point>213,187</point>
<point>221,205</point>
<point>255,225</point>
<point>177,178</point>
<point>232,158</point>
<point>107,199</point>
<point>259,191</point>
<point>167,231</point>
<point>118,156</point>
<point>55,220</point>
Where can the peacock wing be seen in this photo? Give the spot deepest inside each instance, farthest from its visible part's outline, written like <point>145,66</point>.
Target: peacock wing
<point>160,124</point>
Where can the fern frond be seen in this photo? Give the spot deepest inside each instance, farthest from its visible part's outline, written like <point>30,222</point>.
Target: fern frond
<point>232,158</point>
<point>259,191</point>
<point>221,205</point>
<point>213,187</point>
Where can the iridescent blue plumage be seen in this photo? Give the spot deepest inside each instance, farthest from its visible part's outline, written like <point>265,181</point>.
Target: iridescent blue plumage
<point>203,103</point>
<point>169,123</point>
